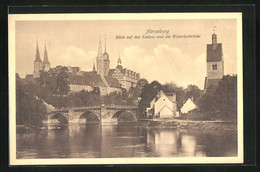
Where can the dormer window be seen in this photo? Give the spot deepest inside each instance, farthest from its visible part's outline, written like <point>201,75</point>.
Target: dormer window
<point>214,67</point>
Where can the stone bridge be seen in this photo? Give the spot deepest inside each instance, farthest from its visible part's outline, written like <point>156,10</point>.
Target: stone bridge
<point>103,114</point>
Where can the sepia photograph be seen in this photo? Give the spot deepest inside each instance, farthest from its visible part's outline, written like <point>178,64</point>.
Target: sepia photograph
<point>147,88</point>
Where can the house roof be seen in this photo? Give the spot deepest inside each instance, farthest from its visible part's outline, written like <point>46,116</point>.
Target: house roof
<point>93,79</point>
<point>87,79</point>
<point>209,82</point>
<point>214,54</point>
<point>170,96</point>
<point>112,82</point>
<point>124,71</point>
<point>188,106</point>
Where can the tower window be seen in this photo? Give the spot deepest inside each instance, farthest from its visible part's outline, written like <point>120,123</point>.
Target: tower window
<point>214,67</point>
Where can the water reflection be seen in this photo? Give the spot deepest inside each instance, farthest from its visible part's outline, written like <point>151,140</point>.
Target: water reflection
<point>95,141</point>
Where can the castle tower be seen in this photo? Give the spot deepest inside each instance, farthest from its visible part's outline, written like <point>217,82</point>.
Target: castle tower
<point>100,60</point>
<point>46,63</point>
<point>106,61</point>
<point>38,66</point>
<point>119,62</point>
<point>215,63</point>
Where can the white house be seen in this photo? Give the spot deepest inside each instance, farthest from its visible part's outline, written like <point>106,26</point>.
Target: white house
<point>188,106</point>
<point>163,105</point>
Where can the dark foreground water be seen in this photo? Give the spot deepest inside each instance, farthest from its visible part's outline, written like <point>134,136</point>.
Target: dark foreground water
<point>94,141</point>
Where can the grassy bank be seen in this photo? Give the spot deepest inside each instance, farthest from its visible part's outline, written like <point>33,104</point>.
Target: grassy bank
<point>190,124</point>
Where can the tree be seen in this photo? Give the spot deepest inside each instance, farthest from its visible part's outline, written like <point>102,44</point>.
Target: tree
<point>141,83</point>
<point>221,100</point>
<point>192,91</point>
<point>62,81</point>
<point>29,110</point>
<point>180,93</point>
<point>148,93</point>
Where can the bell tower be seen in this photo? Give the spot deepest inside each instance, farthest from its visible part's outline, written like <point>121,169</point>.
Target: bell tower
<point>215,62</point>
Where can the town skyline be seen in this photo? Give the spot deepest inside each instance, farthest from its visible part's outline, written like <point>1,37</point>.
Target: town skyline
<point>152,58</point>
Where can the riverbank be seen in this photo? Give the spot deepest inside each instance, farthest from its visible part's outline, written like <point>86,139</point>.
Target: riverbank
<point>188,124</point>
<point>157,123</point>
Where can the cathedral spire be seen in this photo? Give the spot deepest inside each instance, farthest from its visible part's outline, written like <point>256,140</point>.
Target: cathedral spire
<point>45,59</point>
<point>99,47</point>
<point>119,62</point>
<point>37,58</point>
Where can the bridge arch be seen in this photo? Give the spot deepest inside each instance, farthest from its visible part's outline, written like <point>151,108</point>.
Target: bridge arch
<point>124,115</point>
<point>61,119</point>
<point>88,116</point>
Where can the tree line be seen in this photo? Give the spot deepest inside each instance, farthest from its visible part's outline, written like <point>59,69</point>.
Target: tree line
<point>53,88</point>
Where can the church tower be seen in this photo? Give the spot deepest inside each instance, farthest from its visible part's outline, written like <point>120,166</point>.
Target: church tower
<point>103,61</point>
<point>46,63</point>
<point>215,63</point>
<point>119,62</point>
<point>38,66</point>
<point>106,61</point>
<point>100,59</point>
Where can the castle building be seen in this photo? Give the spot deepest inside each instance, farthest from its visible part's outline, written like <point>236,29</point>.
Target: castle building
<point>215,63</point>
<point>104,79</point>
<point>127,78</point>
<point>40,65</point>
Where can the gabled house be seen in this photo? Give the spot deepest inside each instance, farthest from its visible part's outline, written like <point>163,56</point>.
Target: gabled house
<point>188,106</point>
<point>163,105</point>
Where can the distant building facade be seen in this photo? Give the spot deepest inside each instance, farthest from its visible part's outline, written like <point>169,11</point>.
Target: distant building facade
<point>163,105</point>
<point>127,78</point>
<point>215,63</point>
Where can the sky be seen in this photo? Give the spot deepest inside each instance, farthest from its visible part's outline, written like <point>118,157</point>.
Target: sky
<point>178,60</point>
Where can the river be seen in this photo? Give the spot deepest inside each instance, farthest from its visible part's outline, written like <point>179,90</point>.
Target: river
<point>95,141</point>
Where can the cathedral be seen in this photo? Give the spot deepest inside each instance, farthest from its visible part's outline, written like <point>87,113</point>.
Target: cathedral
<point>215,63</point>
<point>40,65</point>
<point>104,79</point>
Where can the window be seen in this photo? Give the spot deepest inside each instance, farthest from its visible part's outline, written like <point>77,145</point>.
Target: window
<point>214,67</point>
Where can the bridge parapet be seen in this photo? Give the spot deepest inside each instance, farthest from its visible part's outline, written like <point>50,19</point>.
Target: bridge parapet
<point>119,107</point>
<point>105,113</point>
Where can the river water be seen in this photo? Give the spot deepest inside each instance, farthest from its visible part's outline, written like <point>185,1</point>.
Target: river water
<point>95,141</point>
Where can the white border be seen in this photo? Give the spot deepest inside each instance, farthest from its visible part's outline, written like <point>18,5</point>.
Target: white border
<point>12,18</point>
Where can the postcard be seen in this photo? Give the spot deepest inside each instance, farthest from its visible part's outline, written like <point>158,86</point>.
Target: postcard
<point>125,88</point>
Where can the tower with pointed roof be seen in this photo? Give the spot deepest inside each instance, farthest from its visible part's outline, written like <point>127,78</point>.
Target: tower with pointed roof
<point>38,66</point>
<point>215,62</point>
<point>100,59</point>
<point>46,63</point>
<point>103,61</point>
<point>119,62</point>
<point>106,61</point>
